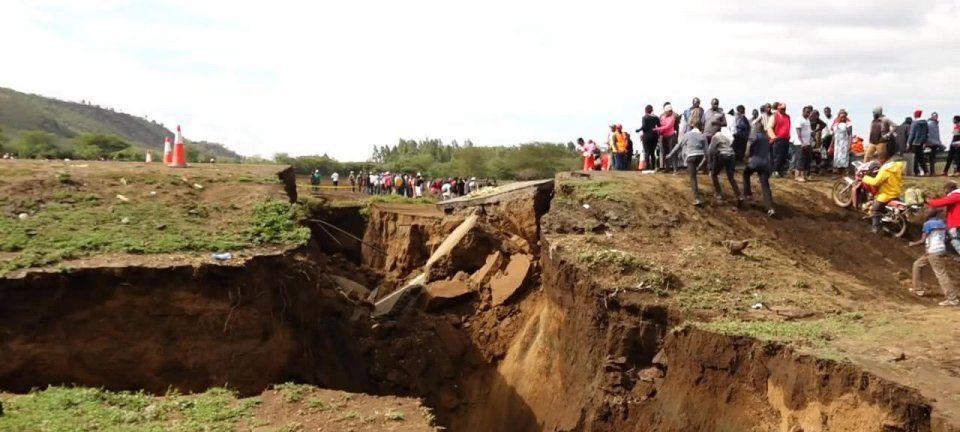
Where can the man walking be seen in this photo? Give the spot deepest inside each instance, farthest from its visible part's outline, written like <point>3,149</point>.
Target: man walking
<point>780,134</point>
<point>935,255</point>
<point>722,158</point>
<point>758,161</point>
<point>693,146</point>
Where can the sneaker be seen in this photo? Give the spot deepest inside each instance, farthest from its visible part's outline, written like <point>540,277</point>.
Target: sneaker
<point>697,203</point>
<point>918,293</point>
<point>949,303</point>
<point>771,213</point>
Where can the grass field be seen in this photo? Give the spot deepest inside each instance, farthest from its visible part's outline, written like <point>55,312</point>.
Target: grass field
<point>56,211</point>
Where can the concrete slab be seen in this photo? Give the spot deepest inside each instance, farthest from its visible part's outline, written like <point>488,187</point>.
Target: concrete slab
<point>505,285</point>
<point>440,294</point>
<point>498,194</point>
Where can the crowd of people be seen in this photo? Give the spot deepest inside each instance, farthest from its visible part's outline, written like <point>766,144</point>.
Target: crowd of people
<point>768,143</point>
<point>405,184</point>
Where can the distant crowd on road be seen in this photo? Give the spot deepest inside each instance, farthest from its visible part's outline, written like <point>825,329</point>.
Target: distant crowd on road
<point>769,143</point>
<point>408,185</point>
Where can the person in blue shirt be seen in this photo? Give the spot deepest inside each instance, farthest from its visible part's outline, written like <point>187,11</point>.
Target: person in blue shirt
<point>935,255</point>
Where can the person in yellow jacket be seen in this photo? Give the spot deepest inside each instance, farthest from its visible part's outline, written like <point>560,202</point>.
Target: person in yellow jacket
<point>889,185</point>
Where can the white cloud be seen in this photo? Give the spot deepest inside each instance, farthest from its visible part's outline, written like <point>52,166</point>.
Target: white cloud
<point>340,77</point>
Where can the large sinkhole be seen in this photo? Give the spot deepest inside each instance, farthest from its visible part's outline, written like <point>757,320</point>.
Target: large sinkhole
<point>539,351</point>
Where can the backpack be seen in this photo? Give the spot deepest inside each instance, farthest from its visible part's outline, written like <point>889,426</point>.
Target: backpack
<point>913,196</point>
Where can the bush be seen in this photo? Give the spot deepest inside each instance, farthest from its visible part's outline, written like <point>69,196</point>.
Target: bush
<point>37,144</point>
<point>276,222</point>
<point>98,144</point>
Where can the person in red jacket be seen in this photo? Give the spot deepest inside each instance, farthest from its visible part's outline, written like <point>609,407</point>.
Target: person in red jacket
<point>951,202</point>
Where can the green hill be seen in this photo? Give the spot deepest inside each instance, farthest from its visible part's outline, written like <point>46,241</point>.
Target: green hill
<point>21,112</point>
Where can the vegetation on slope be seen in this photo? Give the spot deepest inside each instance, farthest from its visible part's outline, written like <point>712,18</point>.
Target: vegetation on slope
<point>37,126</point>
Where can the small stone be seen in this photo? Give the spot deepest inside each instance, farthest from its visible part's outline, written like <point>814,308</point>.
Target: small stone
<point>22,216</point>
<point>123,198</point>
<point>125,220</point>
<point>197,186</point>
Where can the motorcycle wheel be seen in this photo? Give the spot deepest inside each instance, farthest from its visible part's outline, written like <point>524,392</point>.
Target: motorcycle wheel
<point>842,193</point>
<point>897,227</point>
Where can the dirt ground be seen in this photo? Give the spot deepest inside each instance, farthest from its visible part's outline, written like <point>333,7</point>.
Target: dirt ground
<point>85,213</point>
<point>813,276</point>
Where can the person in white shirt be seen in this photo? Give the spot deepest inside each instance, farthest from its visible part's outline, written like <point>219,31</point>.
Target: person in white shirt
<point>335,177</point>
<point>803,146</point>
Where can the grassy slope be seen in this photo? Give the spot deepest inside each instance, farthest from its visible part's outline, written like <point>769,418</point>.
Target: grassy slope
<point>21,112</point>
<point>79,210</point>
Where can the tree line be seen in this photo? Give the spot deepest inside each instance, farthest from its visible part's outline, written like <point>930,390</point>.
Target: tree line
<point>434,158</point>
<point>44,145</point>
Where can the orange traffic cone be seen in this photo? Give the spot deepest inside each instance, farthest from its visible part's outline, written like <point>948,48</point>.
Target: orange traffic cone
<point>167,151</point>
<point>179,153</point>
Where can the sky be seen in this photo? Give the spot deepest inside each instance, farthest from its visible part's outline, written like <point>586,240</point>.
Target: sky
<point>338,77</point>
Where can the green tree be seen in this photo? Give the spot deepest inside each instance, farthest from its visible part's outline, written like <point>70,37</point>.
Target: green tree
<point>95,146</point>
<point>37,144</point>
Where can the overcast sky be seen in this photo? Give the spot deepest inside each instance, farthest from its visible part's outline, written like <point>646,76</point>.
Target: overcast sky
<point>338,77</point>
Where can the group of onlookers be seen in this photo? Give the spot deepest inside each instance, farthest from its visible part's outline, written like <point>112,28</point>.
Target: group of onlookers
<point>408,185</point>
<point>768,143</point>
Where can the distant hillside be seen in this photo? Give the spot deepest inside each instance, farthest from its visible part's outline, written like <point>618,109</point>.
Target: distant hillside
<point>20,112</point>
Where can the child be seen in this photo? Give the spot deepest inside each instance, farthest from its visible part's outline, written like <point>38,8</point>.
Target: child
<point>934,236</point>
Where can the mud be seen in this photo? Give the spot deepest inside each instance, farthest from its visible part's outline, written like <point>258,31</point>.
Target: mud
<point>557,354</point>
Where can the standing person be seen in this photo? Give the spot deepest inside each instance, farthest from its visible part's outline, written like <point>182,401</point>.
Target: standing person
<point>668,130</point>
<point>741,132</point>
<point>880,131</point>
<point>713,119</point>
<point>758,161</point>
<point>933,141</point>
<point>935,255</point>
<point>951,202</point>
<point>586,149</point>
<point>352,178</point>
<point>954,154</point>
<point>627,158</point>
<point>804,143</point>
<point>315,180</point>
<point>817,126</point>
<point>605,149</point>
<point>649,137</point>
<point>780,133</point>
<point>723,157</point>
<point>613,144</point>
<point>842,131</point>
<point>693,147</point>
<point>917,140</point>
<point>693,116</point>
<point>827,142</point>
<point>888,183</point>
<point>335,178</point>
<point>901,133</point>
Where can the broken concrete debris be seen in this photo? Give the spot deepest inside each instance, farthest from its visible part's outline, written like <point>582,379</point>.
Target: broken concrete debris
<point>506,284</point>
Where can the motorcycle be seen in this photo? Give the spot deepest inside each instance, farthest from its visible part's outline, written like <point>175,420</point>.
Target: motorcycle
<point>850,191</point>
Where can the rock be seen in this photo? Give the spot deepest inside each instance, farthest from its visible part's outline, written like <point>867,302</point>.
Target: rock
<point>349,286</point>
<point>506,284</point>
<point>899,358</point>
<point>197,186</point>
<point>125,220</point>
<point>736,247</point>
<point>660,359</point>
<point>443,293</point>
<point>490,267</point>
<point>22,216</point>
<point>123,198</point>
<point>650,374</point>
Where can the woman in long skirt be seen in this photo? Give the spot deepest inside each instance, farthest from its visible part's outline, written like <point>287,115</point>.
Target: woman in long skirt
<point>842,130</point>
